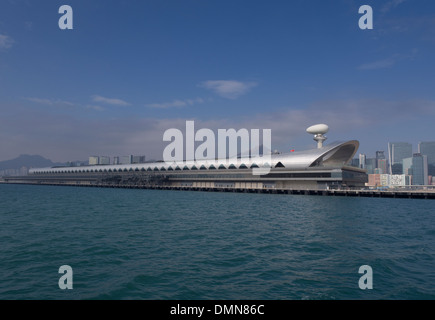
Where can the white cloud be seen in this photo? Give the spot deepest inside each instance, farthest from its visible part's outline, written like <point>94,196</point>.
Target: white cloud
<point>380,64</point>
<point>111,101</point>
<point>175,103</point>
<point>391,5</point>
<point>50,102</point>
<point>388,62</point>
<point>62,137</point>
<point>5,42</point>
<point>94,107</point>
<point>230,89</point>
<point>165,105</point>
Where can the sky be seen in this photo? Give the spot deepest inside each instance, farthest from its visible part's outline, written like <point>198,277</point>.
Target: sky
<point>130,70</point>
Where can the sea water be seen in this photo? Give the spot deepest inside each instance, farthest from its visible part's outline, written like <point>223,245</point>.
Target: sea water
<point>158,244</point>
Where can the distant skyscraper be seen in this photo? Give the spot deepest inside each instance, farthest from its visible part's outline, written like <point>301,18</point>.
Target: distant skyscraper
<point>382,165</point>
<point>397,151</point>
<point>397,168</point>
<point>428,149</point>
<point>93,160</point>
<point>362,161</point>
<point>380,155</point>
<point>124,160</point>
<point>370,165</point>
<point>104,160</point>
<point>407,166</point>
<point>355,162</point>
<point>137,159</point>
<point>417,167</point>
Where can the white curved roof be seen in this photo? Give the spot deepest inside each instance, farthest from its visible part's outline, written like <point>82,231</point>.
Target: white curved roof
<point>333,155</point>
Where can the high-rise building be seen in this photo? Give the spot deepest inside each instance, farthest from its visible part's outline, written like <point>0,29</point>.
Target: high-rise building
<point>407,166</point>
<point>137,159</point>
<point>124,160</point>
<point>93,160</point>
<point>380,155</point>
<point>362,161</point>
<point>382,165</point>
<point>355,162</point>
<point>428,149</point>
<point>370,165</point>
<point>381,162</point>
<point>104,160</point>
<point>397,151</point>
<point>418,168</point>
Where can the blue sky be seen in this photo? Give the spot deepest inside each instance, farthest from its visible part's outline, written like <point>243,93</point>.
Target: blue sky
<point>129,70</point>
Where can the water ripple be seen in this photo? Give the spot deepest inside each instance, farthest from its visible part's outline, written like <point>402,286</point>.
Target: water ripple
<point>146,244</point>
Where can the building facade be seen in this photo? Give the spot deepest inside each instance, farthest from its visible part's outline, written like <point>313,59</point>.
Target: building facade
<point>428,149</point>
<point>322,168</point>
<point>397,151</point>
<point>417,167</point>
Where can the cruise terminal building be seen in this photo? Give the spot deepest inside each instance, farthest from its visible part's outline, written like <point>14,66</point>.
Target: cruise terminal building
<point>325,167</point>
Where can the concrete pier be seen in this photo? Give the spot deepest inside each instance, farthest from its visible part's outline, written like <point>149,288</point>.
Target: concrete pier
<point>408,194</point>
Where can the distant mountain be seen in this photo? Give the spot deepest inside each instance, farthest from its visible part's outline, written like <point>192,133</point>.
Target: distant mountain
<point>25,160</point>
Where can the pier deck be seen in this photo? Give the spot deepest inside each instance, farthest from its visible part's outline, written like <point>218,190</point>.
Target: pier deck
<point>409,194</point>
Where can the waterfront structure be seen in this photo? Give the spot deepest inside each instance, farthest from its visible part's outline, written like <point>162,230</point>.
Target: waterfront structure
<point>384,180</point>
<point>374,180</point>
<point>322,168</point>
<point>388,180</point>
<point>399,180</point>
<point>318,130</point>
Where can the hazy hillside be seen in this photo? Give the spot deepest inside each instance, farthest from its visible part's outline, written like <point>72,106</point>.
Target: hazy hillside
<point>26,160</point>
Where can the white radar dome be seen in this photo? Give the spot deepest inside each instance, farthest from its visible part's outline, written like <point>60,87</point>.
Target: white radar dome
<point>318,129</point>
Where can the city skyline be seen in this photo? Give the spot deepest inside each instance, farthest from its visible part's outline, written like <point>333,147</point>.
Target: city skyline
<point>128,72</point>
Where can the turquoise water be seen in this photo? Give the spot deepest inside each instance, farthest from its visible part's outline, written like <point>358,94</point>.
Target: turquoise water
<point>151,244</point>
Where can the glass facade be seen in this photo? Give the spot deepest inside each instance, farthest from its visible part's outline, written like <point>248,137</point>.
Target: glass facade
<point>398,151</point>
<point>428,149</point>
<point>417,167</point>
